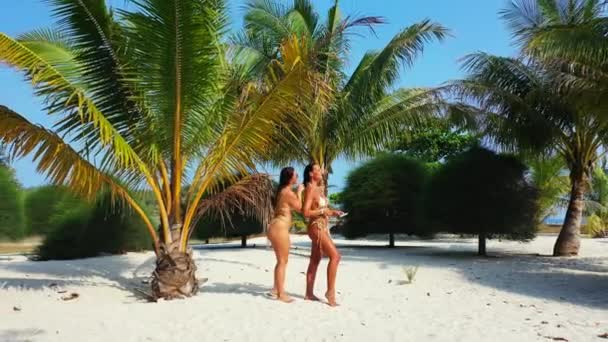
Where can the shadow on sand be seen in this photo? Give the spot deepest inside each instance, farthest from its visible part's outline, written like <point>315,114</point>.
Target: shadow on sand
<point>255,290</point>
<point>23,335</point>
<point>580,281</point>
<point>112,271</point>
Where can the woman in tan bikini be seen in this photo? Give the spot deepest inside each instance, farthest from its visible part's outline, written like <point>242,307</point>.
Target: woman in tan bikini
<point>278,229</point>
<point>316,210</point>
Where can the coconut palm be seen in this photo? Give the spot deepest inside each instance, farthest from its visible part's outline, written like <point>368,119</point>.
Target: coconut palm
<point>522,108</point>
<point>365,111</point>
<point>145,100</point>
<point>571,38</point>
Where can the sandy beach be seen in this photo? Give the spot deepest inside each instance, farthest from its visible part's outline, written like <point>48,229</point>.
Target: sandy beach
<point>456,296</point>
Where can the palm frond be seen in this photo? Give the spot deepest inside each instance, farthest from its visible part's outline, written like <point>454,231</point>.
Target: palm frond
<point>79,115</point>
<point>251,51</point>
<point>527,112</point>
<point>179,62</point>
<point>93,31</point>
<point>65,97</point>
<point>303,19</point>
<point>56,49</point>
<point>247,133</point>
<point>373,127</point>
<point>60,162</point>
<point>268,17</point>
<point>402,50</point>
<point>250,196</point>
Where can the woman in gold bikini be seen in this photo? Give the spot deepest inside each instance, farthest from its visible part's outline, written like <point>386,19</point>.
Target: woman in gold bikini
<point>278,230</point>
<point>316,210</point>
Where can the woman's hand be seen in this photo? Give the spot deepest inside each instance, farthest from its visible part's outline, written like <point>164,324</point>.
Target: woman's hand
<point>334,213</point>
<point>300,189</point>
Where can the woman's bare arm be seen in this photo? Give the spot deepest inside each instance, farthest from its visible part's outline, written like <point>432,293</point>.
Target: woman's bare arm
<point>295,201</point>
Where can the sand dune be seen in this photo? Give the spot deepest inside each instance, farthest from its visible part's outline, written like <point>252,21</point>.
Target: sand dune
<point>455,296</point>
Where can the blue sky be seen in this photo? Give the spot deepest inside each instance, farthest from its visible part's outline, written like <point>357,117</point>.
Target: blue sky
<point>475,26</point>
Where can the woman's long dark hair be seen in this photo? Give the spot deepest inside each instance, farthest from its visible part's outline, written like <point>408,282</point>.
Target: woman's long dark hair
<point>307,170</point>
<point>284,179</point>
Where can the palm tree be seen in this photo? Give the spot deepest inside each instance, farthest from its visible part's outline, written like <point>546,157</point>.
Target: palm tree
<point>364,112</point>
<point>145,100</point>
<point>571,39</point>
<point>523,108</point>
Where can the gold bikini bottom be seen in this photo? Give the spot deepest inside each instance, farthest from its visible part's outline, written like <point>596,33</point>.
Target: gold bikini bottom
<point>280,218</point>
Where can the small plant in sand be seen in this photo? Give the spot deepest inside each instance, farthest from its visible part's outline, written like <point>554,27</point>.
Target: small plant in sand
<point>410,274</point>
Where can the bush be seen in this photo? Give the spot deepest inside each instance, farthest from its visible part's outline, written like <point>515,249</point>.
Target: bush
<point>44,202</point>
<point>88,230</point>
<point>595,227</point>
<point>299,223</point>
<point>12,218</point>
<point>384,196</point>
<point>485,194</point>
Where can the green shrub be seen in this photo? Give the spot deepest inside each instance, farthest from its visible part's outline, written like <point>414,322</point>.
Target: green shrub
<point>12,218</point>
<point>42,203</point>
<point>384,196</point>
<point>299,223</point>
<point>90,229</point>
<point>595,227</point>
<point>485,194</point>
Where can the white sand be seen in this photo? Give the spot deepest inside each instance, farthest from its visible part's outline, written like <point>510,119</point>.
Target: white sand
<point>456,296</point>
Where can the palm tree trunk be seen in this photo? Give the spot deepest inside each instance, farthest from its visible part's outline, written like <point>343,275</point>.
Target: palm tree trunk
<point>481,249</point>
<point>175,273</point>
<point>568,242</point>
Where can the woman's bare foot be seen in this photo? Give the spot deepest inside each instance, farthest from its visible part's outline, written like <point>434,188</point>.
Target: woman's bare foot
<point>331,299</point>
<point>285,299</point>
<point>312,298</point>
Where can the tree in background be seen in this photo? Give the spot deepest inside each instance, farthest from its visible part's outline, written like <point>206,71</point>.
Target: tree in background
<point>435,141</point>
<point>521,108</point>
<point>569,39</point>
<point>43,203</point>
<point>597,204</point>
<point>385,196</point>
<point>366,111</point>
<point>12,218</point>
<point>140,100</point>
<point>337,198</point>
<point>546,173</point>
<point>83,229</point>
<point>236,225</point>
<point>485,194</point>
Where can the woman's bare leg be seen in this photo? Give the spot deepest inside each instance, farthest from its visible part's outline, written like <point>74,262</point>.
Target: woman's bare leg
<point>329,248</point>
<point>280,243</point>
<point>313,265</point>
